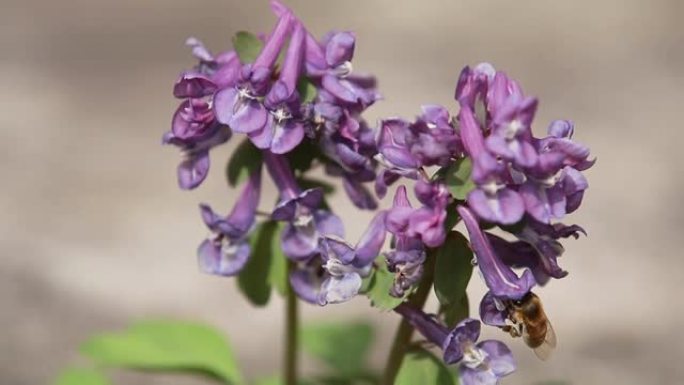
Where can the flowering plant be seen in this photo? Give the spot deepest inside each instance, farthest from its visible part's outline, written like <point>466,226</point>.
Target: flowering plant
<point>296,103</point>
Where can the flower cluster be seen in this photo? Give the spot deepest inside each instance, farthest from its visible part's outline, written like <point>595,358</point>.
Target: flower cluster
<point>298,104</point>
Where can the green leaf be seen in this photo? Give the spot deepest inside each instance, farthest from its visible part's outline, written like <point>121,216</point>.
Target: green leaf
<point>166,346</point>
<point>254,280</point>
<point>307,90</point>
<point>380,286</point>
<point>422,367</point>
<point>276,380</point>
<point>81,376</point>
<point>307,183</point>
<point>303,156</point>
<point>453,268</point>
<point>452,217</point>
<point>247,46</point>
<point>457,177</point>
<point>455,313</point>
<point>277,275</point>
<point>343,347</point>
<point>245,160</point>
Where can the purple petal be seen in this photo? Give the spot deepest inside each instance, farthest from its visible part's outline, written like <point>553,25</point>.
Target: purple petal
<point>193,85</point>
<point>297,244</point>
<point>269,53</point>
<point>384,179</point>
<point>470,376</point>
<point>371,241</point>
<point>466,332</point>
<point>292,65</point>
<point>359,194</point>
<point>286,137</point>
<point>243,214</point>
<point>337,248</point>
<point>225,260</point>
<point>491,313</point>
<point>471,133</point>
<point>500,279</point>
<point>340,48</point>
<point>306,284</point>
<point>241,114</point>
<point>428,224</point>
<point>542,203</point>
<point>193,170</point>
<point>505,207</point>
<point>499,357</point>
<point>328,223</point>
<point>561,129</point>
<point>263,137</point>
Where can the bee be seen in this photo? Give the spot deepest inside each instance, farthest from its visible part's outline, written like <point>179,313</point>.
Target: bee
<point>530,321</point>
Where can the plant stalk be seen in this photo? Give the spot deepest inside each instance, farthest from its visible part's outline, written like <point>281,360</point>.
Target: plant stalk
<point>291,334</point>
<point>402,338</point>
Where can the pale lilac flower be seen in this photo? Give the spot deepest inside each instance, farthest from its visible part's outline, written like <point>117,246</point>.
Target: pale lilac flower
<point>226,251</point>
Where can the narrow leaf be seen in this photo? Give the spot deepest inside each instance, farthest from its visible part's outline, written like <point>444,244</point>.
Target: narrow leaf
<point>277,274</point>
<point>247,46</point>
<point>254,280</point>
<point>457,177</point>
<point>343,347</point>
<point>81,376</point>
<point>422,367</point>
<point>166,346</point>
<point>453,269</point>
<point>245,159</point>
<point>456,312</point>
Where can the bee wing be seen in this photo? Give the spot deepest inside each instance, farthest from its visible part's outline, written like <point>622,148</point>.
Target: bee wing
<point>543,351</point>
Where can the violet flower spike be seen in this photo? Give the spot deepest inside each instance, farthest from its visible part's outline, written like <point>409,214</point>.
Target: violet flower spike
<point>226,252</point>
<point>483,363</point>
<point>500,279</point>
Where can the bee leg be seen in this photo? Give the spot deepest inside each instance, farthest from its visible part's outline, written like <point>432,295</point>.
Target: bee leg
<point>512,330</point>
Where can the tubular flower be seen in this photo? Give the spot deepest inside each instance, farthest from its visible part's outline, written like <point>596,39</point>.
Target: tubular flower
<point>482,363</point>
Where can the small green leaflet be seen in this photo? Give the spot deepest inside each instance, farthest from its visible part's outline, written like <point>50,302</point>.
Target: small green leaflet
<point>247,46</point>
<point>380,286</point>
<point>342,346</point>
<point>453,269</point>
<point>81,376</point>
<point>422,367</point>
<point>255,279</point>
<point>456,312</point>
<point>245,160</point>
<point>166,346</point>
<point>307,90</point>
<point>457,177</point>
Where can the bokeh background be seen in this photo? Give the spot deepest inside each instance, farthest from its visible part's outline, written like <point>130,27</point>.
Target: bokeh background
<point>94,232</point>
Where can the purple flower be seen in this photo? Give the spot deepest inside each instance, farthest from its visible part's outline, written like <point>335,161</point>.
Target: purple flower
<point>407,258</point>
<point>500,279</point>
<point>227,250</point>
<point>433,140</point>
<point>394,154</point>
<point>335,275</point>
<point>493,201</point>
<point>241,106</point>
<point>305,222</point>
<point>482,363</point>
<point>284,130</point>
<point>473,85</point>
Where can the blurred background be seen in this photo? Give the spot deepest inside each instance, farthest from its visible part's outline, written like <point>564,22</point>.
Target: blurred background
<point>94,232</point>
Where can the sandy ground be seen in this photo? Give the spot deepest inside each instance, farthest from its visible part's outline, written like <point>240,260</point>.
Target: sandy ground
<point>94,233</point>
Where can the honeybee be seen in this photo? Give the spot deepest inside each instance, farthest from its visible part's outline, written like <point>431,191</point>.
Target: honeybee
<point>530,321</point>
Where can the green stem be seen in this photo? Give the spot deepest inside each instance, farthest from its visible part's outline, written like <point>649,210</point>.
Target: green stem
<point>291,335</point>
<point>402,338</point>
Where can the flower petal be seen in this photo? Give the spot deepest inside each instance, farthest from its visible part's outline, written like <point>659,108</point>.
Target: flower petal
<point>193,170</point>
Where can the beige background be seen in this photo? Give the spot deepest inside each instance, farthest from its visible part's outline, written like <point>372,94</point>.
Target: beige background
<point>94,233</point>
